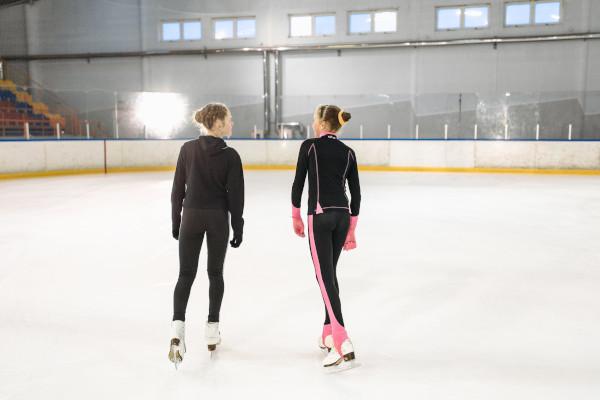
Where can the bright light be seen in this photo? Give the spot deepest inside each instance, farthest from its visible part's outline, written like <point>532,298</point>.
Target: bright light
<point>161,113</point>
<point>507,94</point>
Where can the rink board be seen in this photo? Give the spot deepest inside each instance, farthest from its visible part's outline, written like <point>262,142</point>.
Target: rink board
<point>80,156</point>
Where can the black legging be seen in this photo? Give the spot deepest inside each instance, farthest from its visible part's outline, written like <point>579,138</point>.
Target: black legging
<point>327,231</point>
<point>194,224</point>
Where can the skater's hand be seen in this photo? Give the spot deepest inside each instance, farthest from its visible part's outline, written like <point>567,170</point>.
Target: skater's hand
<point>236,241</point>
<point>298,226</point>
<point>176,233</point>
<point>297,221</point>
<point>350,242</point>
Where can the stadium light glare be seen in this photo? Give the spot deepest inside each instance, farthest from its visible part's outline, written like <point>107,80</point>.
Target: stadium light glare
<point>161,113</point>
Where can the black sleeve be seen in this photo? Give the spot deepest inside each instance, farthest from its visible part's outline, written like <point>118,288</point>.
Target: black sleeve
<point>178,191</point>
<point>235,191</point>
<point>301,171</point>
<point>354,185</point>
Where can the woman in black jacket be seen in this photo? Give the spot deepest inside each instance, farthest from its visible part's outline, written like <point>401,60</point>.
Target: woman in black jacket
<point>332,217</point>
<point>208,185</point>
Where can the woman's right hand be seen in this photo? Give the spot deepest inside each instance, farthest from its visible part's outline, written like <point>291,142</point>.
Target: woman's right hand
<point>297,221</point>
<point>350,243</point>
<point>298,226</point>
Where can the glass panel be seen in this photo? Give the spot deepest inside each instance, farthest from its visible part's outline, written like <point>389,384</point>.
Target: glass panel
<point>547,13</point>
<point>523,115</point>
<point>324,25</point>
<point>518,14</point>
<point>385,21</point>
<point>246,28</point>
<point>459,114</point>
<point>476,17</point>
<point>171,31</point>
<point>448,18</point>
<point>224,29</point>
<point>557,111</point>
<point>192,30</point>
<point>431,114</point>
<point>300,26</point>
<point>164,115</point>
<point>591,116</point>
<point>360,23</point>
<point>491,116</point>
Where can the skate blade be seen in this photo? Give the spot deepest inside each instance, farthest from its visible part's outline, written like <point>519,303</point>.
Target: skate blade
<point>341,366</point>
<point>347,361</point>
<point>174,353</point>
<point>213,347</point>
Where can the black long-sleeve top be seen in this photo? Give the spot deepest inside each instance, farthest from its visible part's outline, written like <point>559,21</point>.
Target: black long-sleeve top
<point>329,163</point>
<point>209,175</point>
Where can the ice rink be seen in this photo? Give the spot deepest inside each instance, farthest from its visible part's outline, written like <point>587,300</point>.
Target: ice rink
<point>463,286</point>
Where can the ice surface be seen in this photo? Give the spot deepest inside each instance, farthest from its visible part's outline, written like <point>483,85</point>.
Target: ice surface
<point>463,286</point>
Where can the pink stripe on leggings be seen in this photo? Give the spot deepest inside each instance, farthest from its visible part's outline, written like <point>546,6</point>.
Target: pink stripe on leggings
<point>338,331</point>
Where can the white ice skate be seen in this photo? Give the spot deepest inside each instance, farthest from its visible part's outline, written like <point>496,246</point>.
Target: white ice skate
<point>177,349</point>
<point>212,335</point>
<point>336,361</point>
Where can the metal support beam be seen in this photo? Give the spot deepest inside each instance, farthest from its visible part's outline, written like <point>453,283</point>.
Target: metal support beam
<point>277,91</point>
<point>266,95</point>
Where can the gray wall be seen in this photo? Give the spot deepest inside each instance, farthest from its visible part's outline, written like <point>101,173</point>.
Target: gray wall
<point>13,34</point>
<point>79,26</point>
<point>401,87</point>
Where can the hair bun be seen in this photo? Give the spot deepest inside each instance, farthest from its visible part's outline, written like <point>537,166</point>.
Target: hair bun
<point>346,116</point>
<point>210,113</point>
<point>199,115</point>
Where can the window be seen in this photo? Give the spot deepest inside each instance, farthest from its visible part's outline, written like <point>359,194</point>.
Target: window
<point>373,21</point>
<point>476,17</point>
<point>547,12</point>
<point>448,18</point>
<point>224,29</point>
<point>518,14</point>
<point>171,31</point>
<point>174,31</point>
<point>324,25</point>
<point>246,28</point>
<point>466,17</point>
<point>231,28</point>
<point>385,21</point>
<point>192,30</point>
<point>312,25</point>
<point>300,26</point>
<point>533,13</point>
<point>360,23</point>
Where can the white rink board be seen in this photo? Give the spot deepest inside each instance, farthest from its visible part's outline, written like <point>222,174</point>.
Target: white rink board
<point>41,156</point>
<point>22,157</point>
<point>74,155</point>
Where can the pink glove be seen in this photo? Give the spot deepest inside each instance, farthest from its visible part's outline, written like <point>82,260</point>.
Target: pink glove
<point>297,219</point>
<point>350,238</point>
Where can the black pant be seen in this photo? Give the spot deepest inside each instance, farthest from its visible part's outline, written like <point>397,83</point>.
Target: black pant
<point>194,224</point>
<point>328,231</point>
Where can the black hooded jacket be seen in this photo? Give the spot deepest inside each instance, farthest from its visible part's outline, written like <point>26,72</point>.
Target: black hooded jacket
<point>209,175</point>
